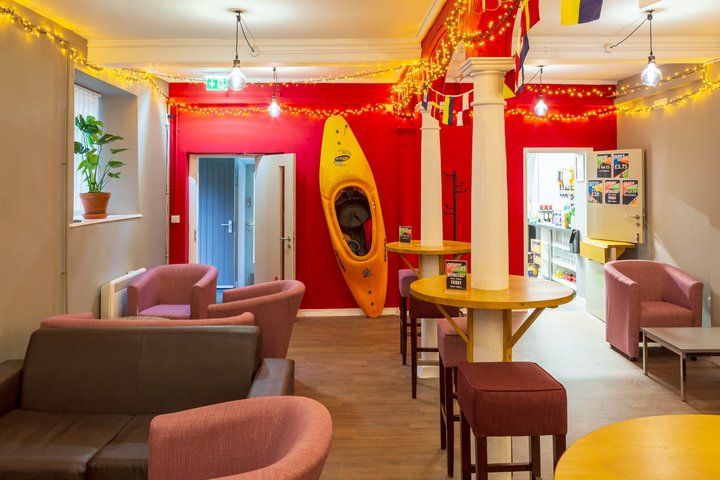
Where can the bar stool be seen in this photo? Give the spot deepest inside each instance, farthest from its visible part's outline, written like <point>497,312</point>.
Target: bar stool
<point>504,399</point>
<point>405,277</point>
<point>453,351</point>
<point>419,309</point>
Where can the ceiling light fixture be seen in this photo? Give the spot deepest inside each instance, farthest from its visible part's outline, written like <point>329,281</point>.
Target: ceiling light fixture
<point>652,75</point>
<point>541,107</point>
<point>237,80</point>
<point>274,109</point>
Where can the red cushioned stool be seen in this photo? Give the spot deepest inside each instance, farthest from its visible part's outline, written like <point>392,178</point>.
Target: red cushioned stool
<point>505,399</point>
<point>453,351</point>
<point>420,309</point>
<point>405,277</point>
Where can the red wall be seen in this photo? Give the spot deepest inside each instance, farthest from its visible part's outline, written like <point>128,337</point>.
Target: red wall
<point>392,149</point>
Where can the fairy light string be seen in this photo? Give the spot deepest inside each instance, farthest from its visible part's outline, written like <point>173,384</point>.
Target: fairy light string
<point>417,76</point>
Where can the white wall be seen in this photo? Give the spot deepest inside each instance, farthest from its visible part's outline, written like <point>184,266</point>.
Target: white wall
<point>682,168</point>
<point>46,267</point>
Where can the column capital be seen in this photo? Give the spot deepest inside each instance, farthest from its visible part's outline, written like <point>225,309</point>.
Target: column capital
<point>475,65</point>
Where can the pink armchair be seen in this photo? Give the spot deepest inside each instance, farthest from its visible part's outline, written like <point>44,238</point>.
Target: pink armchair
<point>275,306</point>
<point>265,438</point>
<point>173,291</point>
<point>641,293</point>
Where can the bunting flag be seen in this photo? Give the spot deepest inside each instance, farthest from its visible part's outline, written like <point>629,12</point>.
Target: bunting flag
<point>529,16</point>
<point>448,106</point>
<point>509,85</point>
<point>579,11</point>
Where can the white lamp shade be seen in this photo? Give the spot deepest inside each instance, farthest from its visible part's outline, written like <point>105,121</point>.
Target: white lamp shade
<point>652,75</point>
<point>274,109</point>
<point>236,79</point>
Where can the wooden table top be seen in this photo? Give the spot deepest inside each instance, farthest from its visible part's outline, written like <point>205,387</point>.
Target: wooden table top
<point>523,293</point>
<point>687,339</point>
<point>662,447</point>
<point>449,247</point>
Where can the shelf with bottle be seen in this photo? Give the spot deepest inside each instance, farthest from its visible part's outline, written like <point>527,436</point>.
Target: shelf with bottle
<point>564,275</point>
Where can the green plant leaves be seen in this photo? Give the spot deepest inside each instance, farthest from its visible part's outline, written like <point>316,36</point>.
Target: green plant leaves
<point>95,172</point>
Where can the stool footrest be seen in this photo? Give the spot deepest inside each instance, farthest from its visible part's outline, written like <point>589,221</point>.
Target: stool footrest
<point>428,363</point>
<point>509,467</point>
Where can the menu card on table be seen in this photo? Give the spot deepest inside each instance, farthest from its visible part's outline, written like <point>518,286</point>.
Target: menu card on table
<point>456,274</point>
<point>405,234</point>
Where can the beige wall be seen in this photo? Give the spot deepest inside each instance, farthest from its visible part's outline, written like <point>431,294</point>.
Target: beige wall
<point>682,168</point>
<point>38,252</point>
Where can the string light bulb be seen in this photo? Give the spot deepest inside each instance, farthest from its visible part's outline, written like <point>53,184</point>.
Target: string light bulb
<point>541,107</point>
<point>274,109</point>
<point>652,75</point>
<point>237,79</point>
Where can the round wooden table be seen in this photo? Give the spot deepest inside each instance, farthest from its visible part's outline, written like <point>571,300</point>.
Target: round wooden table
<point>449,247</point>
<point>663,447</point>
<point>522,293</point>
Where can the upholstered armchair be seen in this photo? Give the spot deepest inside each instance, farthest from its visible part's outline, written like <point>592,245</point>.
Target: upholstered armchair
<point>641,293</point>
<point>266,438</point>
<point>275,306</point>
<point>173,291</point>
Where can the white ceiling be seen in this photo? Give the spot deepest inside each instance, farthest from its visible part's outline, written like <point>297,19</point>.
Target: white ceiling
<point>312,39</point>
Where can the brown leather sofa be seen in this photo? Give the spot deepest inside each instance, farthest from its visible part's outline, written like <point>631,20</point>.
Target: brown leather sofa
<point>79,405</point>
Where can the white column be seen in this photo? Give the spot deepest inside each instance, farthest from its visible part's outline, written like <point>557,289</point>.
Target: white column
<point>489,212</point>
<point>431,225</point>
<point>489,224</point>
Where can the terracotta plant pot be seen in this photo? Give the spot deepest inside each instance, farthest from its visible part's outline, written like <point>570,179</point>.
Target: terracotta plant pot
<point>95,204</point>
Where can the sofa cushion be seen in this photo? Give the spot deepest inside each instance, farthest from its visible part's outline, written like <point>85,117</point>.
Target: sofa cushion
<point>53,445</point>
<point>138,370</point>
<point>664,314</point>
<point>126,456</point>
<point>167,311</point>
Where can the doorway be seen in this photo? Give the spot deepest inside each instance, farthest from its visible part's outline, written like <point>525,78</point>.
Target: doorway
<point>554,209</point>
<point>242,216</point>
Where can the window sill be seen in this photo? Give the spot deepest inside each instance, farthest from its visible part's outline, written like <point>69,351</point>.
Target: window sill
<point>110,218</point>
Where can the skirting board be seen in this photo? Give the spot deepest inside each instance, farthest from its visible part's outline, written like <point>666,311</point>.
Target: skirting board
<point>342,312</point>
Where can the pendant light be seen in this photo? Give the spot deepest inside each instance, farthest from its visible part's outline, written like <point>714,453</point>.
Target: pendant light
<point>237,80</point>
<point>274,109</point>
<point>651,76</point>
<point>541,107</point>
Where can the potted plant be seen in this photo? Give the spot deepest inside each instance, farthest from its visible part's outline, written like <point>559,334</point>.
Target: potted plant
<point>96,170</point>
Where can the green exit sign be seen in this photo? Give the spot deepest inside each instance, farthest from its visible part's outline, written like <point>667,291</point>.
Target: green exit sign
<point>216,83</point>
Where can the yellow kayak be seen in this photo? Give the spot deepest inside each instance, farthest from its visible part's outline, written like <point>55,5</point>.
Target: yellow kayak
<point>354,218</point>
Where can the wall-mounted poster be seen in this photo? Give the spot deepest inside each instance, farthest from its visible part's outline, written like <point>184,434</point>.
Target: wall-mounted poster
<point>620,165</point>
<point>630,192</point>
<point>604,165</point>
<point>595,191</point>
<point>612,192</point>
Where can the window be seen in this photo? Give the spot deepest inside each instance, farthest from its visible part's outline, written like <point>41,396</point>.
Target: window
<point>87,103</point>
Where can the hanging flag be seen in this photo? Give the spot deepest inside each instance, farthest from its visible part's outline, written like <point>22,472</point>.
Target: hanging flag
<point>466,101</point>
<point>509,85</point>
<point>579,11</point>
<point>529,16</point>
<point>447,117</point>
<point>459,118</point>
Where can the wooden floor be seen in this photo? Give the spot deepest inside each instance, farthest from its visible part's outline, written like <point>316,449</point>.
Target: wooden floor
<point>352,365</point>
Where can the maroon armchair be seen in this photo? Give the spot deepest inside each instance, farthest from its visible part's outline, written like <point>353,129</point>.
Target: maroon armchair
<point>173,291</point>
<point>88,320</point>
<point>275,306</point>
<point>268,438</point>
<point>642,293</point>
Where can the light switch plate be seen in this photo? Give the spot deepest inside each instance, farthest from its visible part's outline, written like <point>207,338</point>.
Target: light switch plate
<point>174,218</point>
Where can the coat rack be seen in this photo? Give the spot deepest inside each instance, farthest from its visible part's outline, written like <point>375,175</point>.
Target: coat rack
<point>452,209</point>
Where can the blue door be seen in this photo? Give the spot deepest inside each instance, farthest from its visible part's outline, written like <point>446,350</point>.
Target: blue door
<point>216,217</point>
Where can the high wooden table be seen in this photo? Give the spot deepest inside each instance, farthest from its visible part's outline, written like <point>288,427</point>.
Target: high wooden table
<point>523,293</point>
<point>449,247</point>
<point>426,253</point>
<point>662,447</point>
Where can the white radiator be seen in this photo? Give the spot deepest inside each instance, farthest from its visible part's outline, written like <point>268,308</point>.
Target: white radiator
<point>113,295</point>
